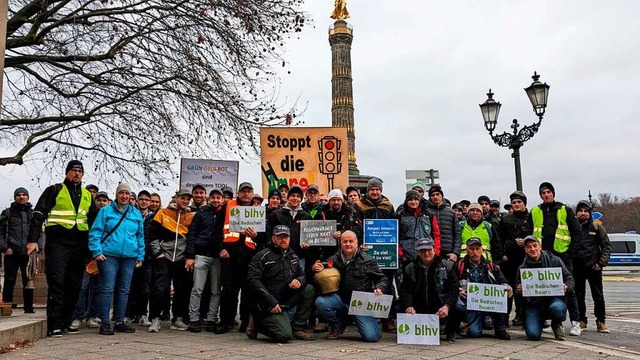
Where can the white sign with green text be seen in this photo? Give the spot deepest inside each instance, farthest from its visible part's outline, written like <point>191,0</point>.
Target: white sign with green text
<point>420,329</point>
<point>486,297</point>
<point>243,217</point>
<point>542,282</point>
<point>370,304</point>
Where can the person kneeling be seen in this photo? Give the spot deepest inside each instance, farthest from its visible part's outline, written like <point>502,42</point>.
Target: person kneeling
<point>358,272</point>
<point>277,281</point>
<point>430,286</point>
<point>539,308</point>
<point>475,268</point>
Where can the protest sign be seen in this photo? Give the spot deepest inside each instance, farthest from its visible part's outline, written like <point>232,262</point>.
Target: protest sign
<point>370,304</point>
<point>542,282</point>
<point>212,174</point>
<point>381,237</point>
<point>418,329</point>
<point>318,232</point>
<point>242,217</point>
<point>304,156</point>
<point>486,297</point>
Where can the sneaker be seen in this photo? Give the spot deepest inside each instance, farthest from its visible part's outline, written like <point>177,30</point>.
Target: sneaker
<point>195,326</point>
<point>72,331</point>
<point>602,327</point>
<point>127,320</point>
<point>321,327</point>
<point>144,321</point>
<point>94,322</point>
<point>558,332</point>
<point>583,325</point>
<point>502,335</point>
<point>124,328</point>
<point>105,331</point>
<point>75,324</point>
<point>575,329</point>
<point>220,328</point>
<point>210,326</point>
<point>155,326</point>
<point>179,325</point>
<point>56,333</point>
<point>303,335</point>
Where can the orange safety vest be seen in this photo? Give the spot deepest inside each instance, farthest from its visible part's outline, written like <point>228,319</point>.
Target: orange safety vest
<point>230,237</point>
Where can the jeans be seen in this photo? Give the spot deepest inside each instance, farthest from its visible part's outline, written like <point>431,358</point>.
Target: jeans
<point>206,268</point>
<point>115,272</point>
<point>535,314</point>
<point>88,295</point>
<point>581,276</point>
<point>332,308</point>
<point>475,320</point>
<point>11,265</point>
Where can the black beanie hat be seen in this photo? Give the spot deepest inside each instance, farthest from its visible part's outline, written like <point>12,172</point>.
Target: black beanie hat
<point>583,204</point>
<point>74,164</point>
<point>518,195</point>
<point>412,194</point>
<point>483,198</point>
<point>20,190</point>
<point>374,182</point>
<point>435,189</point>
<point>274,192</point>
<point>295,189</point>
<point>546,185</point>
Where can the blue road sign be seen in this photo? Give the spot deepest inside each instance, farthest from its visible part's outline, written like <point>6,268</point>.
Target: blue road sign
<point>596,215</point>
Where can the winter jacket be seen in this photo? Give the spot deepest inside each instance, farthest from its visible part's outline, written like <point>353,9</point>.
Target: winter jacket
<point>550,224</point>
<point>168,235</point>
<point>450,242</point>
<point>368,208</point>
<point>283,217</point>
<point>127,241</point>
<point>513,226</point>
<point>14,228</point>
<point>596,247</point>
<point>547,260</point>
<point>315,210</point>
<point>205,233</point>
<point>428,288</point>
<point>361,273</point>
<point>270,272</point>
<point>413,226</point>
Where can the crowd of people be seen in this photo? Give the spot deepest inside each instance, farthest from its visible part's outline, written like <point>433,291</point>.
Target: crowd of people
<point>183,264</point>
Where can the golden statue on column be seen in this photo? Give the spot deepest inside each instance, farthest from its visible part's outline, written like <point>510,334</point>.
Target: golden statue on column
<point>340,12</point>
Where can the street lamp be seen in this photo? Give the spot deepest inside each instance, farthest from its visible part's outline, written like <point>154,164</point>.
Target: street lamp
<point>538,94</point>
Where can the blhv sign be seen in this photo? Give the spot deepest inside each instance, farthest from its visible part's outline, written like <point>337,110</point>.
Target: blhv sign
<point>420,329</point>
<point>542,282</point>
<point>304,156</point>
<point>486,297</point>
<point>381,237</point>
<point>212,174</point>
<point>370,304</point>
<point>243,217</point>
<point>318,232</point>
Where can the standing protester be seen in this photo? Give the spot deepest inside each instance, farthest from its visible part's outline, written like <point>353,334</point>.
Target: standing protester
<point>477,227</point>
<point>312,203</point>
<point>227,194</point>
<point>353,195</point>
<point>415,222</point>
<point>284,190</point>
<point>116,240</point>
<point>588,264</point>
<point>450,242</point>
<point>204,244</point>
<point>238,249</point>
<point>93,189</point>
<point>198,198</point>
<point>155,203</point>
<point>273,201</point>
<point>513,229</point>
<point>168,244</point>
<point>14,231</point>
<point>64,207</point>
<point>539,308</point>
<point>290,215</point>
<point>558,229</point>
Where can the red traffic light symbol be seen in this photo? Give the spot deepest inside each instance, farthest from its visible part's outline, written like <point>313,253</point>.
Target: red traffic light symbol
<point>329,145</point>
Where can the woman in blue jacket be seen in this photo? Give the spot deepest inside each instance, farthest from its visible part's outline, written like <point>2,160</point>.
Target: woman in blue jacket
<point>116,240</point>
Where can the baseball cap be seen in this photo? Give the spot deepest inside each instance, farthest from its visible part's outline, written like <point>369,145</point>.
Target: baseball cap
<point>102,194</point>
<point>183,191</point>
<point>424,244</point>
<point>281,230</point>
<point>531,238</point>
<point>245,185</point>
<point>474,241</point>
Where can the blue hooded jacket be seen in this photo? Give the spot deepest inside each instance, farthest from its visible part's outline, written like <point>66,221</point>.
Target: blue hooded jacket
<point>127,241</point>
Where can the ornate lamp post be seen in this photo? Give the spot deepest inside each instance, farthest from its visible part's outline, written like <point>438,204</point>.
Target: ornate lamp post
<point>538,94</point>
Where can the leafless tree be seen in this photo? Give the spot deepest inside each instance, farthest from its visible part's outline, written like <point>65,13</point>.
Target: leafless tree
<point>133,85</point>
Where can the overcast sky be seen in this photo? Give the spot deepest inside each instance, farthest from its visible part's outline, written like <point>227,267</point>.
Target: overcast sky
<point>421,68</point>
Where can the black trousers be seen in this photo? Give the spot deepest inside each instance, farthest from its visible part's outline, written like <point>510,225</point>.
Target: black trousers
<point>510,271</point>
<point>139,291</point>
<point>65,266</point>
<point>581,275</point>
<point>571,299</point>
<point>11,265</point>
<point>164,271</point>
<point>233,277</point>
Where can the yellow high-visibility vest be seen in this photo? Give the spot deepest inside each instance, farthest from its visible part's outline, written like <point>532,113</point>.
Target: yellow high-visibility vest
<point>563,236</point>
<point>64,213</point>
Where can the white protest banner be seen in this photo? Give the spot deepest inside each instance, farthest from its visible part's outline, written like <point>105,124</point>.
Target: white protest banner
<point>370,304</point>
<point>212,174</point>
<point>542,282</point>
<point>318,232</point>
<point>242,217</point>
<point>486,297</point>
<point>420,329</point>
